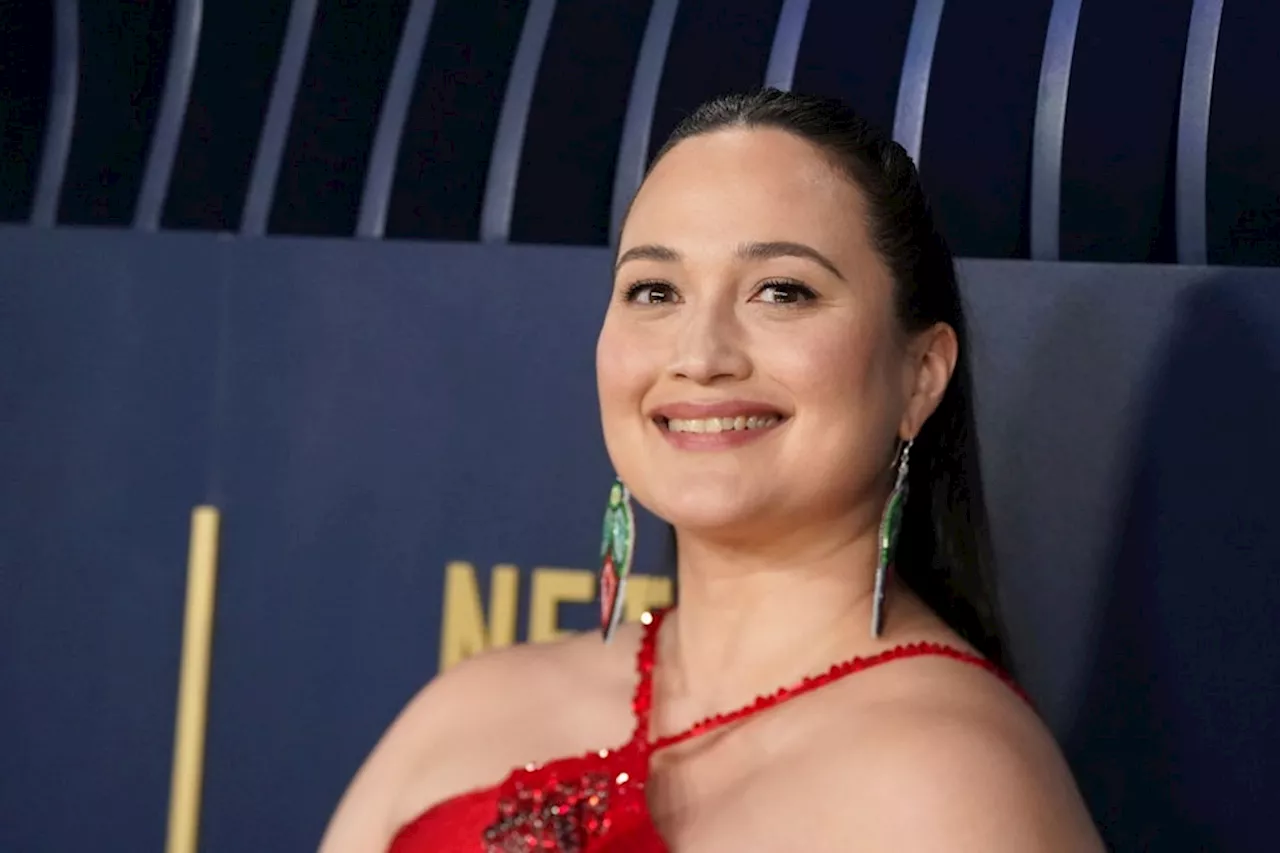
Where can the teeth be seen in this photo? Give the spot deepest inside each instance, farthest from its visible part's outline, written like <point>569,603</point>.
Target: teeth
<point>721,424</point>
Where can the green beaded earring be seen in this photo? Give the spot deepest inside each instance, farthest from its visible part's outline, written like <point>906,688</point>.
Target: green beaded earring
<point>890,525</point>
<point>617,548</point>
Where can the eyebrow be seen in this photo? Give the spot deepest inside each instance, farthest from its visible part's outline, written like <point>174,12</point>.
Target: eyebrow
<point>754,251</point>
<point>647,253</point>
<point>784,249</point>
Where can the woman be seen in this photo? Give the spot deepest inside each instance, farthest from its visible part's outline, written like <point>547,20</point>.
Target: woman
<point>781,374</point>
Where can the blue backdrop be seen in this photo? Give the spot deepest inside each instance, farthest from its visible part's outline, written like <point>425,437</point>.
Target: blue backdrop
<point>366,415</point>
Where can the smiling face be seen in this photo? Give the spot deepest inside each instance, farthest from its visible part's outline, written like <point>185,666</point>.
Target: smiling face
<point>753,377</point>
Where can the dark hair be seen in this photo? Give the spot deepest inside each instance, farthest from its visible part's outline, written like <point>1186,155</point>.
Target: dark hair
<point>944,550</point>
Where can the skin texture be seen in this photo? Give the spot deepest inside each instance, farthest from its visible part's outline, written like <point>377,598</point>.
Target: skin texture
<point>777,554</point>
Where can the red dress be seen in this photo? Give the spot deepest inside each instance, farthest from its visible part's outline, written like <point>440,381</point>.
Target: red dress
<point>596,803</point>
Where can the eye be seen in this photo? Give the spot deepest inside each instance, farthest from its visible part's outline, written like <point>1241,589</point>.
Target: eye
<point>785,293</point>
<point>650,293</point>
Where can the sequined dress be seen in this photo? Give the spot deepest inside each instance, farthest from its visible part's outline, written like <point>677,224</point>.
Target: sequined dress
<point>596,803</point>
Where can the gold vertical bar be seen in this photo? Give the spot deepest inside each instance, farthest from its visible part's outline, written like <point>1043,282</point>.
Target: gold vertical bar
<point>193,683</point>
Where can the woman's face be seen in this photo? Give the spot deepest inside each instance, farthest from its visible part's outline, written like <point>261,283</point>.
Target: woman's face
<point>751,371</point>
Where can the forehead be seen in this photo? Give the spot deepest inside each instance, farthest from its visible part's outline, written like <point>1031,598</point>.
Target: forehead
<point>747,184</point>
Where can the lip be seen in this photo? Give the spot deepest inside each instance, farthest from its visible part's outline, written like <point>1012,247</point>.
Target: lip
<point>725,440</point>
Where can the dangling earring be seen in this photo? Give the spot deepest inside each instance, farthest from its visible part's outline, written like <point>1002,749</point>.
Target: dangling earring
<point>890,525</point>
<point>616,550</point>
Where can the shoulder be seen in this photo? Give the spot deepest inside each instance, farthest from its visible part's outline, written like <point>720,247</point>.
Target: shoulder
<point>472,724</point>
<point>949,757</point>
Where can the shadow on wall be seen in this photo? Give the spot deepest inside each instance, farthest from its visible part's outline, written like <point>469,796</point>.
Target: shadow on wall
<point>1172,745</point>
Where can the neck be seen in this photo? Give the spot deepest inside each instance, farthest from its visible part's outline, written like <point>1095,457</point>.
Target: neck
<point>751,620</point>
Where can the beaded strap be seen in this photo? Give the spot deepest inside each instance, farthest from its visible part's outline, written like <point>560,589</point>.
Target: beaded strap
<point>642,704</point>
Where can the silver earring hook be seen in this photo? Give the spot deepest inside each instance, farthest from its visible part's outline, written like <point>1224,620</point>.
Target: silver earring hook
<point>902,452</point>
<point>901,460</point>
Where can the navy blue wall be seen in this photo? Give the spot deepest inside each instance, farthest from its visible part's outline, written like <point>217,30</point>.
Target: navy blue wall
<point>365,414</point>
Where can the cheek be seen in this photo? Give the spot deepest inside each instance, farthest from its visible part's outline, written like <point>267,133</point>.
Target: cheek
<point>622,372</point>
<point>843,377</point>
<point>832,367</point>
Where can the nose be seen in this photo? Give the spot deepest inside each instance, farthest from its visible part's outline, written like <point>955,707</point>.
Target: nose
<point>710,344</point>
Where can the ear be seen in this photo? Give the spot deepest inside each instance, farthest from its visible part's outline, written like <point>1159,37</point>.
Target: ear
<point>931,359</point>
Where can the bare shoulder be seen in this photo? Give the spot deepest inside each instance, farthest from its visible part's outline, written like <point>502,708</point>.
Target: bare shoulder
<point>473,723</point>
<point>947,757</point>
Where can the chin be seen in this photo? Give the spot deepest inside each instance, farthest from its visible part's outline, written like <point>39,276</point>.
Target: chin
<point>707,509</point>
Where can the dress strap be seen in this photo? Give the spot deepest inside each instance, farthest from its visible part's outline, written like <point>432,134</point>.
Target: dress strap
<point>642,704</point>
<point>837,672</point>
